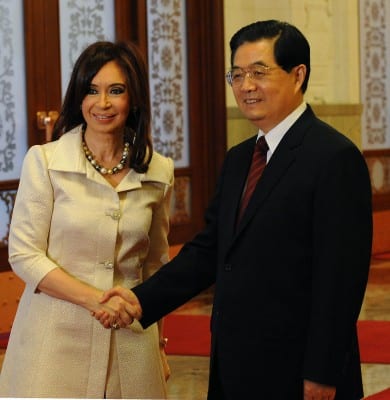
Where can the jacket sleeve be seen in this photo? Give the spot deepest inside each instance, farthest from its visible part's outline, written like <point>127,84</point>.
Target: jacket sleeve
<point>31,217</point>
<point>158,234</point>
<point>186,275</point>
<point>342,237</point>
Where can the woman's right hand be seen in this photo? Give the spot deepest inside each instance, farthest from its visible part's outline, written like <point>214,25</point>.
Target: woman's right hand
<point>59,284</point>
<point>113,313</point>
<point>125,298</point>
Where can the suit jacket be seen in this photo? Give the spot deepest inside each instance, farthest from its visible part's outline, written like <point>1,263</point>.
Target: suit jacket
<point>290,279</point>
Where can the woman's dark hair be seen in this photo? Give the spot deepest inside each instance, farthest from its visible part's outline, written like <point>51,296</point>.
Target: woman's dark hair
<point>291,47</point>
<point>130,60</point>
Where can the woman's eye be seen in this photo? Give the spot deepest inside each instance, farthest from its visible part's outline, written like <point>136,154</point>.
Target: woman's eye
<point>92,91</point>
<point>117,90</point>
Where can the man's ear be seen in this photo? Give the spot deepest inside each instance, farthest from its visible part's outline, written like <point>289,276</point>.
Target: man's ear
<point>300,74</point>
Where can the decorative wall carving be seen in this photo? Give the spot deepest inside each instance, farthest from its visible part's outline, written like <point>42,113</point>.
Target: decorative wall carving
<point>378,162</point>
<point>375,91</point>
<point>379,167</point>
<point>7,200</point>
<point>168,89</point>
<point>7,98</point>
<point>13,133</point>
<point>168,79</point>
<point>13,137</point>
<point>374,73</point>
<point>180,207</point>
<point>82,23</point>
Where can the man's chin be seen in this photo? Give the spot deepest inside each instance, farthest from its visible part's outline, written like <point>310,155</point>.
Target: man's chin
<point>256,119</point>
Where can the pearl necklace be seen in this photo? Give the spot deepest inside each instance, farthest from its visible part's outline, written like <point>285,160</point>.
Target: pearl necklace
<point>104,170</point>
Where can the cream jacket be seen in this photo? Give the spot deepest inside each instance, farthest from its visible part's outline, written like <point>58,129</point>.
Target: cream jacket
<point>67,215</point>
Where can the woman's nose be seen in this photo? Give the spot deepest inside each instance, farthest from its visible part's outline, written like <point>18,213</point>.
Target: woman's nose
<point>104,101</point>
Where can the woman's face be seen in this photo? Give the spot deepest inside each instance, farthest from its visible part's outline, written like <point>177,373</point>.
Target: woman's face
<point>107,104</point>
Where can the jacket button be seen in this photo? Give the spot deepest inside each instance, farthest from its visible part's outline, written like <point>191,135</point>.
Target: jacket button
<point>115,215</point>
<point>228,267</point>
<point>108,264</point>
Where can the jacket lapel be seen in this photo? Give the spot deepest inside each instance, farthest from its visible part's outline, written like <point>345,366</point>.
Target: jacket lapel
<point>282,158</point>
<point>236,176</point>
<point>67,155</point>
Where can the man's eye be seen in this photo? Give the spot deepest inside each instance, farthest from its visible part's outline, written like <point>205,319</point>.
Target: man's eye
<point>258,73</point>
<point>237,75</point>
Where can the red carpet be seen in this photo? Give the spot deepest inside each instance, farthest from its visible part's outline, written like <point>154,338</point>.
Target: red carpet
<point>190,335</point>
<point>384,395</point>
<point>374,341</point>
<point>382,256</point>
<point>4,340</point>
<point>378,274</point>
<point>187,334</point>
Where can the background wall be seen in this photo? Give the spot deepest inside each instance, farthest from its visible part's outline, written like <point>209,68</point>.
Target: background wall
<point>334,82</point>
<point>332,29</point>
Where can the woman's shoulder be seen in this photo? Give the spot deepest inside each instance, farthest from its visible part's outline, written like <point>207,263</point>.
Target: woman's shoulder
<point>158,158</point>
<point>161,168</point>
<point>56,149</point>
<point>73,135</point>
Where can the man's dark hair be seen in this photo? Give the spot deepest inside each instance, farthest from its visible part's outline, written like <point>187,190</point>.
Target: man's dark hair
<point>291,47</point>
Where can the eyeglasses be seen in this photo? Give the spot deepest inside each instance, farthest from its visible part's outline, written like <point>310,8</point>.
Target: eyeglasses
<point>235,77</point>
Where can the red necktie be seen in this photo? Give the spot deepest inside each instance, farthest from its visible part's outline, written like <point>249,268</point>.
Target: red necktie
<point>259,161</point>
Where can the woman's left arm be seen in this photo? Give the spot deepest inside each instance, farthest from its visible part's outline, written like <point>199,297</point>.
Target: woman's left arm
<point>159,253</point>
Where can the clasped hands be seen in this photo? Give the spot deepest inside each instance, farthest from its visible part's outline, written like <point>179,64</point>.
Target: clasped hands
<point>119,308</point>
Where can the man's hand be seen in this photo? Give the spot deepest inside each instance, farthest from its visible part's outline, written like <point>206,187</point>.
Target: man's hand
<point>128,301</point>
<point>114,313</point>
<point>316,391</point>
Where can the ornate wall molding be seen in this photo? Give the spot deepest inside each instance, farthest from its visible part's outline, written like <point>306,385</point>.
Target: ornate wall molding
<point>13,138</point>
<point>375,73</point>
<point>7,98</point>
<point>82,23</point>
<point>379,167</point>
<point>168,91</point>
<point>168,78</point>
<point>7,200</point>
<point>13,128</point>
<point>375,93</point>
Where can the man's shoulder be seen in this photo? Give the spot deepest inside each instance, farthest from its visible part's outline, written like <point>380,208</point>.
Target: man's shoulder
<point>244,145</point>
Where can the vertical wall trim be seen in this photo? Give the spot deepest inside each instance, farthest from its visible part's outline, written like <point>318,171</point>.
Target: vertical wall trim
<point>168,78</point>
<point>375,73</point>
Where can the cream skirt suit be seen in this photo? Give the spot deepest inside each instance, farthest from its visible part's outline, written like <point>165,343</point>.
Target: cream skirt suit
<point>67,215</point>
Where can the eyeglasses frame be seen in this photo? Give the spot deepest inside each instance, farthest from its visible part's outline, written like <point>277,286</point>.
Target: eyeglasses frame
<point>248,72</point>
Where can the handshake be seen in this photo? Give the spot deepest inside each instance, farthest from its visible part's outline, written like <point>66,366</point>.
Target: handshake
<point>117,308</point>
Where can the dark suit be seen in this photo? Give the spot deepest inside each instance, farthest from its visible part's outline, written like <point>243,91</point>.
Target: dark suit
<point>290,279</point>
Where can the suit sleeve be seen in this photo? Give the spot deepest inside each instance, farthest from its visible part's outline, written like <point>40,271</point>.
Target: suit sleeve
<point>190,272</point>
<point>342,237</point>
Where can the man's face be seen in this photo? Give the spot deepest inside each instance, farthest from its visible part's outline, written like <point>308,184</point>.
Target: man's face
<point>265,93</point>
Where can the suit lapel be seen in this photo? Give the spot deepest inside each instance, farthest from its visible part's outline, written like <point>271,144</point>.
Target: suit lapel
<point>236,171</point>
<point>282,158</point>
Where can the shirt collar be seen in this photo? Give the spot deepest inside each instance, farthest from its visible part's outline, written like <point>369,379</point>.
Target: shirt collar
<point>275,135</point>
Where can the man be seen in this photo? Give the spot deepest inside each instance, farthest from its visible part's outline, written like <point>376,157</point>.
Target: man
<point>290,274</point>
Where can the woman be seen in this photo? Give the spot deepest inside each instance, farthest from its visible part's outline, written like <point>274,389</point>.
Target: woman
<point>92,211</point>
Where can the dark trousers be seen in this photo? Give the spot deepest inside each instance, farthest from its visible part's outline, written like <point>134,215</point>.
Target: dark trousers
<point>215,391</point>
